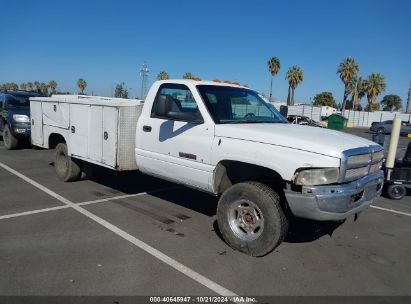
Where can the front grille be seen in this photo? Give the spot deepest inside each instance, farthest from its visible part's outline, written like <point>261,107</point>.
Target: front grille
<point>359,162</point>
<point>357,172</point>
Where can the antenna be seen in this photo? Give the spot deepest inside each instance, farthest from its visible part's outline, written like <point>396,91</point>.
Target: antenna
<point>144,77</point>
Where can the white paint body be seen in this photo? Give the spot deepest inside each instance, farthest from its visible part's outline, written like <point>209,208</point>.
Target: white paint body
<point>284,148</point>
<point>95,129</point>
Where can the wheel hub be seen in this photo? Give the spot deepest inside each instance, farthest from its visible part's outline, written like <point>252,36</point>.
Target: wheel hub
<point>246,220</point>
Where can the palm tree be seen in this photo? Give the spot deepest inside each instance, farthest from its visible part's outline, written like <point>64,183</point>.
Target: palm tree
<point>357,91</point>
<point>374,85</point>
<point>23,86</point>
<point>163,75</point>
<point>44,88</point>
<point>30,86</point>
<point>347,69</point>
<point>53,86</point>
<point>82,84</point>
<point>273,67</point>
<point>188,75</point>
<point>37,85</point>
<point>294,76</point>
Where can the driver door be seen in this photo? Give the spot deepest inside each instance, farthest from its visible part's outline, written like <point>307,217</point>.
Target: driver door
<point>177,150</point>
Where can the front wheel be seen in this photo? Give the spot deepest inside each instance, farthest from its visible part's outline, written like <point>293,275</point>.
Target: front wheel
<point>250,218</point>
<point>10,141</point>
<point>396,192</point>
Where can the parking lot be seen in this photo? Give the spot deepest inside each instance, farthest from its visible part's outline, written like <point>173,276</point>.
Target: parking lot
<point>131,234</point>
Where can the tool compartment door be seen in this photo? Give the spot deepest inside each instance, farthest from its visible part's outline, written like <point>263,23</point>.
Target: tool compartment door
<point>95,142</point>
<point>110,122</point>
<point>79,116</point>
<point>36,123</point>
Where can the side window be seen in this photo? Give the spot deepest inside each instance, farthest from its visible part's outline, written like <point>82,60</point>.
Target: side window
<point>181,98</point>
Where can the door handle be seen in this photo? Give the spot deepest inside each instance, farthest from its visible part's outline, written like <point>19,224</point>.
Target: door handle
<point>147,128</point>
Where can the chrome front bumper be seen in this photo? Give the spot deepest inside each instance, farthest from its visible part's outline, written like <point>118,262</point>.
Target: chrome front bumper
<point>336,202</point>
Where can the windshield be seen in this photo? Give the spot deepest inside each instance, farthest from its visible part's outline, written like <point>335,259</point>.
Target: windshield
<point>18,101</point>
<point>238,105</point>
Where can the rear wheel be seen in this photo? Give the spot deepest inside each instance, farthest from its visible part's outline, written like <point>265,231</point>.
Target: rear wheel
<point>250,218</point>
<point>67,168</point>
<point>396,192</point>
<point>10,141</point>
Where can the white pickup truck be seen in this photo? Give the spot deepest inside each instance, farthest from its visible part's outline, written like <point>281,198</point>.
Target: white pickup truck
<point>223,139</point>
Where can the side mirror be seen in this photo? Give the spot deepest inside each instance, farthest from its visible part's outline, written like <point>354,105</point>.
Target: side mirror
<point>163,105</point>
<point>166,107</point>
<point>186,116</point>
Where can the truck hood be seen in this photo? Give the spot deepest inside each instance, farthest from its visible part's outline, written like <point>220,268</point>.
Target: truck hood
<point>317,140</point>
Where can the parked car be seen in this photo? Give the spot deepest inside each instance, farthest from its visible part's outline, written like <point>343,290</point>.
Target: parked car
<point>262,168</point>
<point>15,117</point>
<point>385,127</point>
<point>303,120</point>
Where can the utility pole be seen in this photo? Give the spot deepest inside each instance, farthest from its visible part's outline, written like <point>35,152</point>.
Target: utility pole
<point>408,100</point>
<point>144,77</point>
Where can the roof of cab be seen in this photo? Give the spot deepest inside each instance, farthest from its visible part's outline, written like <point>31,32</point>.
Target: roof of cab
<point>203,82</point>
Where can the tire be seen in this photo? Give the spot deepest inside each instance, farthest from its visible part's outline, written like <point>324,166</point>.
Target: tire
<point>396,192</point>
<point>10,141</point>
<point>381,130</point>
<point>257,206</point>
<point>67,169</point>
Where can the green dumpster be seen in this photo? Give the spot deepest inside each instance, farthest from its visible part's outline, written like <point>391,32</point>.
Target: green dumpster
<point>337,122</point>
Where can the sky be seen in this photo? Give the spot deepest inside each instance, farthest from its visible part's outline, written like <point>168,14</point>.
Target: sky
<point>106,42</point>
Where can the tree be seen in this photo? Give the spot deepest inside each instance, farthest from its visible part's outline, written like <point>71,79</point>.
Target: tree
<point>10,86</point>
<point>23,86</point>
<point>82,84</point>
<point>294,76</point>
<point>370,107</point>
<point>37,85</point>
<point>163,75</point>
<point>356,89</point>
<point>273,67</point>
<point>44,88</point>
<point>53,86</point>
<point>29,86</point>
<point>325,99</point>
<point>391,103</point>
<point>374,85</point>
<point>121,91</point>
<point>347,69</point>
<point>188,75</point>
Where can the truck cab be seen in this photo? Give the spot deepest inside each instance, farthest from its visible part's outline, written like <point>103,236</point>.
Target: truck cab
<point>15,117</point>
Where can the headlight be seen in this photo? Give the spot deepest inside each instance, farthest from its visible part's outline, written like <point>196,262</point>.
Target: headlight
<point>311,177</point>
<point>20,118</point>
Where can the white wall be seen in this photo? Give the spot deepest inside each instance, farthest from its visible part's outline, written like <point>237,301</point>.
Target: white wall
<point>364,119</point>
